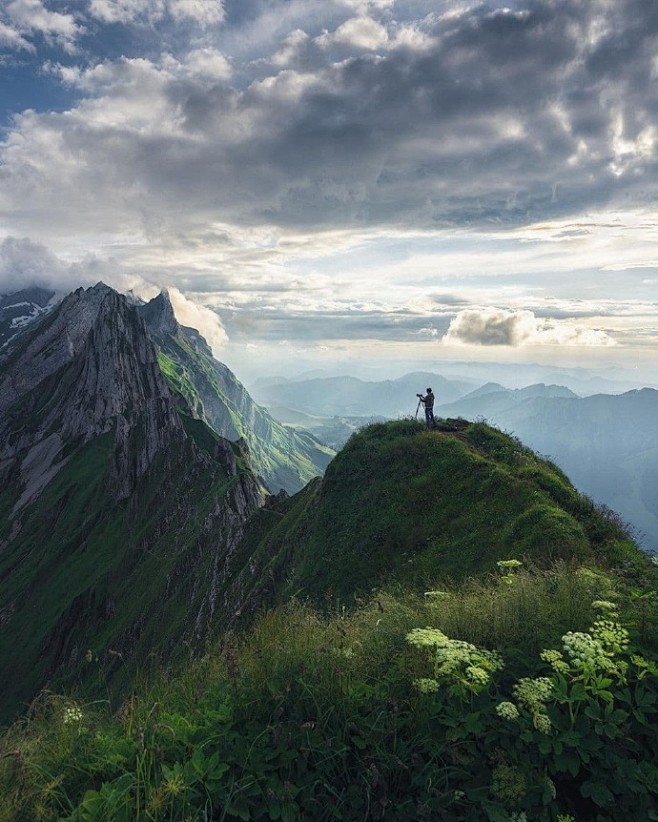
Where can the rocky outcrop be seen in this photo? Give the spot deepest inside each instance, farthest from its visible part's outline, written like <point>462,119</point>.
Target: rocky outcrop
<point>89,370</point>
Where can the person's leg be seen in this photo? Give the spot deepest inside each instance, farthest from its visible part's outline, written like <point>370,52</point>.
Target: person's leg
<point>428,416</point>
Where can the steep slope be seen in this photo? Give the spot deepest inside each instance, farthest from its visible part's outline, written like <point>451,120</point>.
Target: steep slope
<point>117,514</point>
<point>284,458</point>
<point>401,505</point>
<point>607,444</point>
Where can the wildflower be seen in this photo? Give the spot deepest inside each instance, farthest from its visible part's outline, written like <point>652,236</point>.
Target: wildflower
<point>644,666</point>
<point>542,722</point>
<point>72,714</point>
<point>427,638</point>
<point>581,648</point>
<point>427,686</point>
<point>437,595</point>
<point>507,710</point>
<point>534,692</point>
<point>555,660</point>
<point>612,637</point>
<point>457,661</point>
<point>477,674</point>
<point>604,605</point>
<point>509,564</point>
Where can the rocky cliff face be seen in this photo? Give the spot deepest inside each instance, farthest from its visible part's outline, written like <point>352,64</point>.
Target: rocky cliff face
<point>89,369</point>
<point>119,515</point>
<point>282,457</point>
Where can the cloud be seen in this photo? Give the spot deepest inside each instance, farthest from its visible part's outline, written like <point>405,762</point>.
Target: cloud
<point>11,38</point>
<point>282,153</point>
<point>358,32</point>
<point>31,17</point>
<point>202,12</point>
<point>496,326</point>
<point>484,122</point>
<point>198,316</point>
<point>24,263</point>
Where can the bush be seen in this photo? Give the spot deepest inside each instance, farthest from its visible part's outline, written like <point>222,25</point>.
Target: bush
<point>521,697</point>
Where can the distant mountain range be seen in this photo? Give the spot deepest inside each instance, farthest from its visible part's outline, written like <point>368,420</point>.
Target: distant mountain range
<point>352,397</point>
<point>607,443</point>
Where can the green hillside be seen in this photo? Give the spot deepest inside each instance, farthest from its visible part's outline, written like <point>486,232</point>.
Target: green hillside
<point>280,456</point>
<point>91,584</point>
<point>407,506</point>
<point>518,683</point>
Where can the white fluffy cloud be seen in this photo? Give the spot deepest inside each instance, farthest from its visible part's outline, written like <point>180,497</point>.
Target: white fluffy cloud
<point>11,38</point>
<point>26,18</point>
<point>360,32</point>
<point>198,316</point>
<point>498,326</point>
<point>203,12</point>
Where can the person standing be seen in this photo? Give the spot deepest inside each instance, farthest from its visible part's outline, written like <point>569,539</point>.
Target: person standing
<point>428,402</point>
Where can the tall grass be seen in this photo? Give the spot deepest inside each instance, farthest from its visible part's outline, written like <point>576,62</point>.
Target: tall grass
<point>307,715</point>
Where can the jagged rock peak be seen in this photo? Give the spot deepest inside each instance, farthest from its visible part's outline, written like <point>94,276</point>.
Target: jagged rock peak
<point>159,316</point>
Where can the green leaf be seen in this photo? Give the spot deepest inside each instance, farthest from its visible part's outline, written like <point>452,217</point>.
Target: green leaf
<point>597,792</point>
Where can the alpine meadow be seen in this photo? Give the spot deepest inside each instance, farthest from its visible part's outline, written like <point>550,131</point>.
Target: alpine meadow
<point>328,402</point>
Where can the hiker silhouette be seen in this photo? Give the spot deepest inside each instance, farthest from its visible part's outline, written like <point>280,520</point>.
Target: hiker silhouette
<point>428,402</point>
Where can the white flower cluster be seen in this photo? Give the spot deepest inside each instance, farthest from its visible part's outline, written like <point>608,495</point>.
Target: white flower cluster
<point>426,686</point>
<point>509,564</point>
<point>604,605</point>
<point>555,660</point>
<point>427,638</point>
<point>534,693</point>
<point>612,637</point>
<point>72,714</point>
<point>581,648</point>
<point>456,660</point>
<point>507,710</point>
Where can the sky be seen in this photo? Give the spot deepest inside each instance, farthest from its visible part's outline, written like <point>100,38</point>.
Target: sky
<point>337,183</point>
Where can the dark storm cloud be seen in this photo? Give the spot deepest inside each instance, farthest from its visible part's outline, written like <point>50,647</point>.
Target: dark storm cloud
<point>492,116</point>
<point>466,131</point>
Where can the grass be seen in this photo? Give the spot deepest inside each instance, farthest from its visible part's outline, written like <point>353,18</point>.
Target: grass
<point>311,715</point>
<point>283,457</point>
<point>117,579</point>
<point>401,503</point>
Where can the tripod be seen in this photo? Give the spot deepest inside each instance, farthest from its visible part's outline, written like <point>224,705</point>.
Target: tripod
<point>417,409</point>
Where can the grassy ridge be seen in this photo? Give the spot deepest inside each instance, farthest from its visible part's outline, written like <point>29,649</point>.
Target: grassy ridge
<point>403,504</point>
